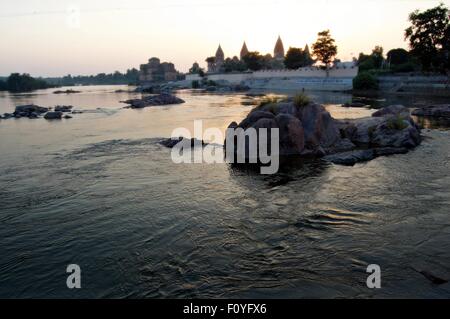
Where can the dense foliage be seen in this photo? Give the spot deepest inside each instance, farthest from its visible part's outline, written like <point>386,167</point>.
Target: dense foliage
<point>297,58</point>
<point>429,38</point>
<point>23,83</point>
<point>365,81</point>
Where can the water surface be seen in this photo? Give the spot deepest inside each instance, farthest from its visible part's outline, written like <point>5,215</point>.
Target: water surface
<point>98,191</point>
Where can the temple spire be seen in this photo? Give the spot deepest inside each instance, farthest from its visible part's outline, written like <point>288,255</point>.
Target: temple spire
<point>278,52</point>
<point>244,50</point>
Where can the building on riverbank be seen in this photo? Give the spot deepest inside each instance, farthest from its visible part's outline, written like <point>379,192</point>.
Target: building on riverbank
<point>154,72</point>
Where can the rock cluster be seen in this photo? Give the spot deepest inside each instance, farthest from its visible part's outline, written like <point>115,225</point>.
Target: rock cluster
<point>308,130</point>
<point>32,111</point>
<point>154,100</point>
<point>442,111</point>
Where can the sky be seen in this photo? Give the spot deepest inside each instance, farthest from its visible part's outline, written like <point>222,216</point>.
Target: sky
<point>59,37</point>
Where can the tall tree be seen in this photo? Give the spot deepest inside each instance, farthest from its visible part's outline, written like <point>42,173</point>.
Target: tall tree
<point>377,56</point>
<point>325,49</point>
<point>429,37</point>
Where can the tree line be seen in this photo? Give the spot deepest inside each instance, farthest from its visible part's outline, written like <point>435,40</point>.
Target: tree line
<point>25,83</point>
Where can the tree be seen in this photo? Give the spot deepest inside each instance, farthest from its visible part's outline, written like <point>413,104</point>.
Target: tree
<point>377,56</point>
<point>196,69</point>
<point>254,61</point>
<point>398,56</point>
<point>325,49</point>
<point>24,83</point>
<point>234,65</point>
<point>3,86</point>
<point>295,58</point>
<point>429,37</point>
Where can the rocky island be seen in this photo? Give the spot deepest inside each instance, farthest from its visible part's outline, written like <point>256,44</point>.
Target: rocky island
<point>153,100</point>
<point>307,130</point>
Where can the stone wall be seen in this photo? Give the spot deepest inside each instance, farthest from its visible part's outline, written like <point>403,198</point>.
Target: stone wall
<point>305,78</point>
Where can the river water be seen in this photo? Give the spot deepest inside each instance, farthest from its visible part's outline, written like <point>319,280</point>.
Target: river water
<point>98,191</point>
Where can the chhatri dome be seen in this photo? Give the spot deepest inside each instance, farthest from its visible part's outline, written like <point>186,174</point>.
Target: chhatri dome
<point>220,56</point>
<point>244,50</point>
<point>278,52</point>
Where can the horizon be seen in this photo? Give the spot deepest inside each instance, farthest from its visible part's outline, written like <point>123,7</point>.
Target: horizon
<point>114,35</point>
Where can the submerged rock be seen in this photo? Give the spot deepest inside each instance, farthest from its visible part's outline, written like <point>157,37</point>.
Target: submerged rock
<point>63,108</point>
<point>66,92</point>
<point>171,143</point>
<point>351,158</point>
<point>155,100</point>
<point>53,115</point>
<point>434,111</point>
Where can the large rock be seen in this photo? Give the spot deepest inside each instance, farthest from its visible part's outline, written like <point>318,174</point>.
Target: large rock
<point>434,111</point>
<point>392,110</point>
<point>310,131</point>
<point>391,126</point>
<point>154,100</point>
<point>292,134</point>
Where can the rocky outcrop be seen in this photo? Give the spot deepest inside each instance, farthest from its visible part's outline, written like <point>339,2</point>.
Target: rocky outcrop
<point>310,131</point>
<point>442,111</point>
<point>154,100</point>
<point>31,111</point>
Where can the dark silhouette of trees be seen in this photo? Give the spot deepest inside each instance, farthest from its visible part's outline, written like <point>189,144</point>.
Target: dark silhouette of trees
<point>24,83</point>
<point>297,58</point>
<point>429,37</point>
<point>254,61</point>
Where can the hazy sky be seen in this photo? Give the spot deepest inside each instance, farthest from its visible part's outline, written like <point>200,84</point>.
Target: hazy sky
<point>50,38</point>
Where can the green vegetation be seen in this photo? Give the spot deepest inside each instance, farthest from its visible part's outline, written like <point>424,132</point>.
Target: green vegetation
<point>254,61</point>
<point>397,123</point>
<point>3,86</point>
<point>298,58</point>
<point>195,84</point>
<point>429,38</point>
<point>234,65</point>
<point>270,100</point>
<point>23,83</point>
<point>301,100</point>
<point>130,77</point>
<point>325,49</point>
<point>365,81</point>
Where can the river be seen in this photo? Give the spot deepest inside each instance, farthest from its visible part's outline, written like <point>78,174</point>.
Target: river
<point>98,191</point>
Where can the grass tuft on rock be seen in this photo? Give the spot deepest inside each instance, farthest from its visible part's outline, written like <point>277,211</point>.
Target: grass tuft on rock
<point>397,123</point>
<point>301,100</point>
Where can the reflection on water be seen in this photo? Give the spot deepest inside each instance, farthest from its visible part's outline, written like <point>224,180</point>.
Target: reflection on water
<point>99,191</point>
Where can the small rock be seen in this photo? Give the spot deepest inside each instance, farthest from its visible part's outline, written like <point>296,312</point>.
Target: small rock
<point>67,117</point>
<point>53,115</point>
<point>63,108</point>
